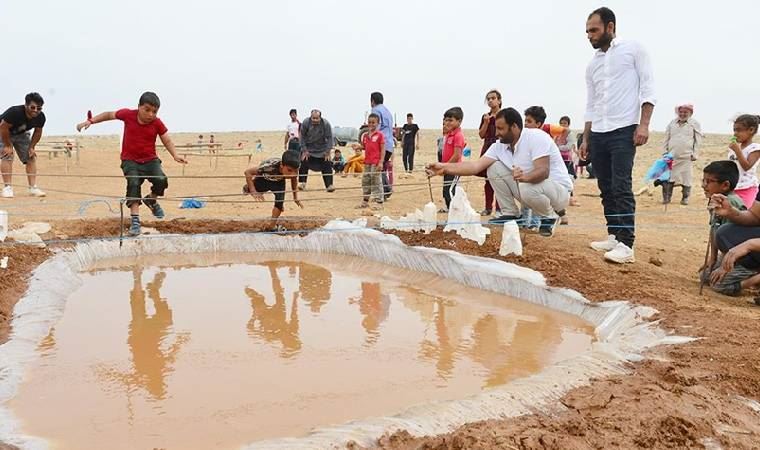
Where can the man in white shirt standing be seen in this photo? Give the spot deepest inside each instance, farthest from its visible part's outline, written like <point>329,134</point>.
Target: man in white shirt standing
<point>620,101</point>
<point>293,131</point>
<point>525,165</point>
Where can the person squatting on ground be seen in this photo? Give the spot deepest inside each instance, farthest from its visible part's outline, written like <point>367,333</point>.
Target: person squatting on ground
<point>525,166</point>
<point>487,132</point>
<point>453,146</point>
<point>316,143</point>
<point>338,161</point>
<point>139,160</point>
<point>683,137</point>
<point>535,117</point>
<point>744,152</point>
<point>373,144</point>
<point>15,124</point>
<point>720,177</point>
<point>355,163</point>
<point>619,104</point>
<point>270,176</point>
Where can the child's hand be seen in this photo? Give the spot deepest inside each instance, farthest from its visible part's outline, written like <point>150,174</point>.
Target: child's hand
<point>83,126</point>
<point>735,147</point>
<point>257,196</point>
<point>180,159</point>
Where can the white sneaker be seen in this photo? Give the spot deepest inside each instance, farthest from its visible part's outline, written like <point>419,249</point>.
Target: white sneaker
<point>7,192</point>
<point>34,191</point>
<point>621,254</point>
<point>605,246</point>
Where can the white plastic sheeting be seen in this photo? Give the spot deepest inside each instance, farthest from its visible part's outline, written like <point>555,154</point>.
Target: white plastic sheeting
<point>622,330</point>
<point>30,232</point>
<point>425,220</point>
<point>465,220</point>
<point>3,225</point>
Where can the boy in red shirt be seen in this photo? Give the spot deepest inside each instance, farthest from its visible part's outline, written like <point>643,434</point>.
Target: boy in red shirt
<point>453,145</point>
<point>139,160</point>
<point>373,144</point>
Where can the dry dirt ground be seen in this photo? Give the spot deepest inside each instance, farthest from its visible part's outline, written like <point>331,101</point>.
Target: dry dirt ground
<point>687,396</point>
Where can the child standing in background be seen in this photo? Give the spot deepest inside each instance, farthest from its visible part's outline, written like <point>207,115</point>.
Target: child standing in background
<point>453,145</point>
<point>746,155</point>
<point>373,144</point>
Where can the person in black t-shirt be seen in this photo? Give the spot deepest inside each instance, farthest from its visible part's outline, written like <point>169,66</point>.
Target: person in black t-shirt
<point>410,142</point>
<point>270,176</point>
<point>15,124</point>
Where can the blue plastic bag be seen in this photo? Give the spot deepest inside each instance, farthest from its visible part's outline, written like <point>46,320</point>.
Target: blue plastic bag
<point>192,203</point>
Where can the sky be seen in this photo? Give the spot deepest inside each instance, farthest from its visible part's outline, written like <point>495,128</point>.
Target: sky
<point>229,65</point>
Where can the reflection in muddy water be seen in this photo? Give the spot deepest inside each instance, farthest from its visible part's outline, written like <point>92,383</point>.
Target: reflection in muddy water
<point>213,351</point>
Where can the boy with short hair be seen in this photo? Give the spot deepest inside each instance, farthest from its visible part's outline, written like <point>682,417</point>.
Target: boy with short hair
<point>721,177</point>
<point>338,161</point>
<point>139,160</point>
<point>410,142</point>
<point>293,132</point>
<point>15,124</point>
<point>373,144</point>
<point>270,176</point>
<point>453,145</point>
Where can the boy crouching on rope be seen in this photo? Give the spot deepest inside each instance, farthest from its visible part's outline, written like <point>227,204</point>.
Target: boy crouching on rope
<point>139,160</point>
<point>270,176</point>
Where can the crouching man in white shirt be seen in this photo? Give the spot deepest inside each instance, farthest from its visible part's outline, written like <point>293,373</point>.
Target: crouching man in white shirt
<point>524,166</point>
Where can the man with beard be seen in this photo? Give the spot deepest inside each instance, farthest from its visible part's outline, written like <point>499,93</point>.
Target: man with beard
<point>620,100</point>
<point>524,165</point>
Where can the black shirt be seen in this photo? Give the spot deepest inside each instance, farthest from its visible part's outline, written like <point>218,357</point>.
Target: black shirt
<point>410,132</point>
<point>15,116</point>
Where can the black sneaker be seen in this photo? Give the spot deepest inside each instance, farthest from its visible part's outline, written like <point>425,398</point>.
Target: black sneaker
<point>501,220</point>
<point>547,227</point>
<point>156,209</point>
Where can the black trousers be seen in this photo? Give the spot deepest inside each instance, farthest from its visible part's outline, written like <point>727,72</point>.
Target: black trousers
<point>448,191</point>
<point>262,185</point>
<point>316,163</point>
<point>612,155</point>
<point>408,156</point>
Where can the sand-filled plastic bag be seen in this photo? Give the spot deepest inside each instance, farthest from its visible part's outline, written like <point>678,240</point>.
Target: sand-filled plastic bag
<point>511,244</point>
<point>465,220</point>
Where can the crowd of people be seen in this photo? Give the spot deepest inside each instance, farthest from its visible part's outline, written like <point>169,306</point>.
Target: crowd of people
<point>528,165</point>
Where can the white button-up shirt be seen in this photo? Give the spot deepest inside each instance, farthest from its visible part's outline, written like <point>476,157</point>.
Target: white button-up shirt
<point>618,82</point>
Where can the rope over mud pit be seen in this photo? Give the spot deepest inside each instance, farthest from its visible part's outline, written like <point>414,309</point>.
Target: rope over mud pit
<point>622,330</point>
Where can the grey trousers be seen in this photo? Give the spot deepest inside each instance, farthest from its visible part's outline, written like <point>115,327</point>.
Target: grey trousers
<point>544,198</point>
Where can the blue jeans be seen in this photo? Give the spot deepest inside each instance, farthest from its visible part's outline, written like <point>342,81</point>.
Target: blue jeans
<point>612,155</point>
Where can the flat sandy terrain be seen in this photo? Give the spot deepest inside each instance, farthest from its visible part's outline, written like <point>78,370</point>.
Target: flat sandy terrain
<point>687,396</point>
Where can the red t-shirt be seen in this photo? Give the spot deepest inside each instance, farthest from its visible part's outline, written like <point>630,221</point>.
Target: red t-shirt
<point>139,141</point>
<point>374,145</point>
<point>455,138</point>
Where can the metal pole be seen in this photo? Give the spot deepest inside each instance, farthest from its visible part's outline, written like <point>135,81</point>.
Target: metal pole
<point>121,223</point>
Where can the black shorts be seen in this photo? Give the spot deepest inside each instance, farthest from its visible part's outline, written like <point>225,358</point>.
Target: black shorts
<point>263,185</point>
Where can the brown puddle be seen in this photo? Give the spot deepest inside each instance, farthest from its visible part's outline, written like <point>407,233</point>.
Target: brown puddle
<point>215,351</point>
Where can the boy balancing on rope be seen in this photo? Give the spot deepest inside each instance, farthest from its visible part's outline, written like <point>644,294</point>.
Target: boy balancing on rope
<point>139,160</point>
<point>270,176</point>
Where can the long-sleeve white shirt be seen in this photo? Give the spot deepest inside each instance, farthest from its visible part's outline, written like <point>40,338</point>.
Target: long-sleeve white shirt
<point>618,82</point>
